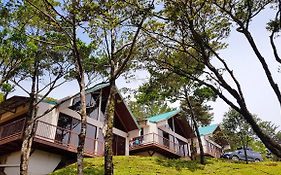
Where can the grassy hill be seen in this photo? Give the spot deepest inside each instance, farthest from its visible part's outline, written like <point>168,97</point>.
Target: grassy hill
<point>133,165</point>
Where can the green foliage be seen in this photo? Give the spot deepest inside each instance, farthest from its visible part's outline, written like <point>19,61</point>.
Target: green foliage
<point>7,88</point>
<point>129,165</point>
<point>270,129</point>
<point>1,97</point>
<point>237,131</point>
<point>144,110</point>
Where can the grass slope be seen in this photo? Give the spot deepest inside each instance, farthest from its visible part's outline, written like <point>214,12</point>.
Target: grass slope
<point>133,165</point>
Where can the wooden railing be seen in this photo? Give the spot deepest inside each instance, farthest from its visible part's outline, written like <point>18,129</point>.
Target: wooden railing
<point>11,131</point>
<point>153,138</point>
<point>212,149</point>
<point>51,135</point>
<point>68,139</point>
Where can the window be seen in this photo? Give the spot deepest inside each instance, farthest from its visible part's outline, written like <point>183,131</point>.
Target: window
<point>68,130</point>
<point>63,129</point>
<point>141,132</point>
<point>92,105</point>
<point>90,138</point>
<point>93,110</point>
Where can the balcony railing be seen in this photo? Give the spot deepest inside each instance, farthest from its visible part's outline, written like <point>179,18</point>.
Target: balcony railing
<point>11,131</point>
<point>51,135</point>
<point>67,139</point>
<point>212,149</point>
<point>159,141</point>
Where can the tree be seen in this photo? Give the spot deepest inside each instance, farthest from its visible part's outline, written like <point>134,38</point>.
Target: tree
<point>120,25</point>
<point>106,23</point>
<point>199,29</point>
<point>12,43</point>
<point>67,18</point>
<point>5,90</point>
<point>148,102</point>
<point>237,130</point>
<point>166,85</point>
<point>23,57</point>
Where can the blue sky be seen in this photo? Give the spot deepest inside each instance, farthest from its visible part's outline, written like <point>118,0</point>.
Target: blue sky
<point>258,94</point>
<point>260,98</point>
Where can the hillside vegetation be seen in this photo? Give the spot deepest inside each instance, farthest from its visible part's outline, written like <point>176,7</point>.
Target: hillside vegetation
<point>133,165</point>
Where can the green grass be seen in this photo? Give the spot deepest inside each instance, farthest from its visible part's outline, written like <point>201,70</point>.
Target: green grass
<point>133,165</point>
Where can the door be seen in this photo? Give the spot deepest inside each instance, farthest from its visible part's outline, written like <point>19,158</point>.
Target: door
<point>118,145</point>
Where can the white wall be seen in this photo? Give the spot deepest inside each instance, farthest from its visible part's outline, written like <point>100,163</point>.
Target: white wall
<point>133,134</point>
<point>45,131</point>
<point>40,163</point>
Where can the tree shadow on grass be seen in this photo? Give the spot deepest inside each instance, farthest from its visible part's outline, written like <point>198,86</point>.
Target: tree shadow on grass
<point>178,164</point>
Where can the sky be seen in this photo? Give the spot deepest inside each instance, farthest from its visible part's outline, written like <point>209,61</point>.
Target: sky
<point>240,57</point>
<point>259,96</point>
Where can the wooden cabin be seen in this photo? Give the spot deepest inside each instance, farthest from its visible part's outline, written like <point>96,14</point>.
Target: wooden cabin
<point>56,136</point>
<point>167,135</point>
<point>212,146</point>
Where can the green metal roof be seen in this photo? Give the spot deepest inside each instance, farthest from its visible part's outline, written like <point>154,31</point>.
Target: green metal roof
<point>97,87</point>
<point>164,116</point>
<point>207,129</point>
<point>50,102</point>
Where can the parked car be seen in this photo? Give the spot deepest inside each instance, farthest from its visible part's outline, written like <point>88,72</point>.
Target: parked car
<point>226,155</point>
<point>240,155</point>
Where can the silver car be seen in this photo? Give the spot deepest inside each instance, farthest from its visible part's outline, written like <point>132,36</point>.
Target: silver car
<point>240,155</point>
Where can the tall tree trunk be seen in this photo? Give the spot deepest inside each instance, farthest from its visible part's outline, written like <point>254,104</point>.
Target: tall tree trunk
<point>29,125</point>
<point>273,146</point>
<point>245,152</point>
<point>192,150</point>
<point>81,81</point>
<point>202,158</point>
<point>82,134</point>
<point>109,117</point>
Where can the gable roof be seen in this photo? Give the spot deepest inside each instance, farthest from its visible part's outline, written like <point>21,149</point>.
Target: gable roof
<point>12,103</point>
<point>164,116</point>
<point>207,129</point>
<point>133,124</point>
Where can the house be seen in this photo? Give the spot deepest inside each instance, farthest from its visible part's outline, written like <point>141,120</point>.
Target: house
<point>56,135</point>
<point>212,144</point>
<point>167,134</point>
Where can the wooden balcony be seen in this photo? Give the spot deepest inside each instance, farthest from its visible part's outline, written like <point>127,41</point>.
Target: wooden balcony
<point>47,136</point>
<point>153,142</point>
<point>65,139</point>
<point>212,149</point>
<point>11,135</point>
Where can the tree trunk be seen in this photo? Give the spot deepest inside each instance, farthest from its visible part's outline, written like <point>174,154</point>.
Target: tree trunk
<point>81,81</point>
<point>82,134</point>
<point>192,150</point>
<point>29,126</point>
<point>26,148</point>
<point>274,147</point>
<point>202,158</point>
<point>245,152</point>
<point>109,116</point>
